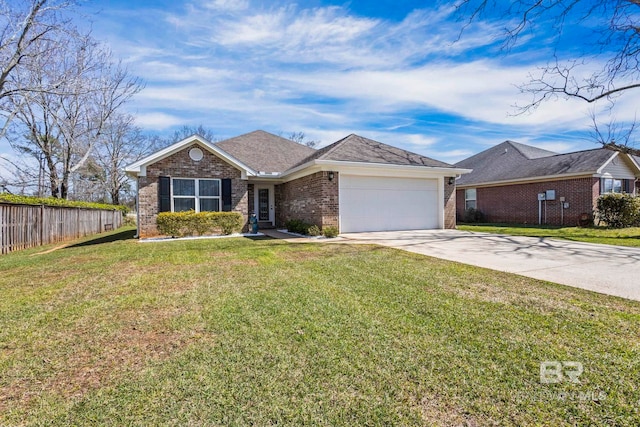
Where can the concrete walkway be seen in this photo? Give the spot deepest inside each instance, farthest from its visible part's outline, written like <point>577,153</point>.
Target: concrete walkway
<point>613,270</point>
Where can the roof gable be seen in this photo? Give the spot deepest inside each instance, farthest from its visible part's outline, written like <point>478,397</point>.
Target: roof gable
<point>265,152</point>
<point>355,148</point>
<point>139,168</point>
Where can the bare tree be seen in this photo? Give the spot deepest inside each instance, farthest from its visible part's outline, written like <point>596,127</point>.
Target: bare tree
<point>24,25</point>
<point>613,135</point>
<point>187,131</point>
<point>607,67</point>
<point>120,144</point>
<point>301,138</point>
<point>64,125</point>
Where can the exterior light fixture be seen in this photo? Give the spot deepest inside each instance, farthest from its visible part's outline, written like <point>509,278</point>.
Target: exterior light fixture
<point>451,180</point>
<point>331,176</point>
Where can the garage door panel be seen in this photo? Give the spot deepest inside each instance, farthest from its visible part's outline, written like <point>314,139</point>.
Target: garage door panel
<point>377,204</point>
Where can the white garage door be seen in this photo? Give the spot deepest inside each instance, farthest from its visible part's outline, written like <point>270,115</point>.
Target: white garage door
<point>385,204</point>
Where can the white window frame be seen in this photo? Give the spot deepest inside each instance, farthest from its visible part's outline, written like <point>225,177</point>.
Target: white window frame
<point>197,196</point>
<point>613,185</point>
<point>467,199</point>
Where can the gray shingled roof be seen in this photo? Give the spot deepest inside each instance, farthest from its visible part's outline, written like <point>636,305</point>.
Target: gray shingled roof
<point>265,152</point>
<point>354,148</point>
<point>511,161</point>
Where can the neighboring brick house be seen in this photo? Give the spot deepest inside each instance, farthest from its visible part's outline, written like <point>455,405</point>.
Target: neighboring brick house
<point>509,179</point>
<point>355,184</point>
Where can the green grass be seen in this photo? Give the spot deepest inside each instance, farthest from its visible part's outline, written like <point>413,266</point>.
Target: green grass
<point>608,236</point>
<point>259,332</point>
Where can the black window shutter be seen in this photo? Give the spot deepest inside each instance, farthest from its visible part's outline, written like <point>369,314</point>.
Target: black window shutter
<point>164,194</point>
<point>226,195</point>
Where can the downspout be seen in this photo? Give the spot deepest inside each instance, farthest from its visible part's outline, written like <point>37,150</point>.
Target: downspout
<point>137,236</point>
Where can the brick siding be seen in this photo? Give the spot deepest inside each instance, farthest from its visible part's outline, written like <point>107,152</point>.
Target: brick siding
<point>180,165</point>
<point>312,199</point>
<point>449,204</point>
<point>518,203</point>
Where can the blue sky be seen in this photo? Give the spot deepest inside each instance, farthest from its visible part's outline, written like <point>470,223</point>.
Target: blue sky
<point>389,70</point>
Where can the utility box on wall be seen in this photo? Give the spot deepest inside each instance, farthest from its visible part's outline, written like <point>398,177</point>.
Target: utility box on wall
<point>550,195</point>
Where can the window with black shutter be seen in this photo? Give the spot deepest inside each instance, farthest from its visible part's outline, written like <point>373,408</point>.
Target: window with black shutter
<point>164,194</point>
<point>226,195</point>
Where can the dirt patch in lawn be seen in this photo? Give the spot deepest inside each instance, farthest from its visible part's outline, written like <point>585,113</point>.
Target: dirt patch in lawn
<point>51,250</point>
<point>528,297</point>
<point>127,353</point>
<point>93,360</point>
<point>439,411</point>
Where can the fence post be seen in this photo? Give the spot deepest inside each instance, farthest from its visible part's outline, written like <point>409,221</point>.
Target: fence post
<point>41,224</point>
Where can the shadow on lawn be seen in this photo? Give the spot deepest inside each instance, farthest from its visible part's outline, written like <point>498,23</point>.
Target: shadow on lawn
<point>122,235</point>
<point>258,238</point>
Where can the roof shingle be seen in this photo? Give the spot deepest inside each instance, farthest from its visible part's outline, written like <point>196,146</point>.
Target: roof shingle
<point>355,148</point>
<point>265,152</point>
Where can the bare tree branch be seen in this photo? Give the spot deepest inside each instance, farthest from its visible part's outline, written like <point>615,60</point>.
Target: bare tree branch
<point>607,68</point>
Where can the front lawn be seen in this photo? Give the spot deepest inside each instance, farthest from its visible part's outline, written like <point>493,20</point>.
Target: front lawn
<point>260,332</point>
<point>608,236</point>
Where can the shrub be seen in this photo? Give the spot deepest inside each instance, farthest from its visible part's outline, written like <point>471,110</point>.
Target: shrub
<point>472,215</point>
<point>178,224</point>
<point>297,226</point>
<point>330,232</point>
<point>618,210</point>
<point>229,222</point>
<point>52,201</point>
<point>314,230</point>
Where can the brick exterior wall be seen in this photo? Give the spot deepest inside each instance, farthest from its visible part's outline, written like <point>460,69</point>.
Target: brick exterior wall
<point>312,199</point>
<point>250,194</point>
<point>449,204</point>
<point>180,165</point>
<point>518,203</point>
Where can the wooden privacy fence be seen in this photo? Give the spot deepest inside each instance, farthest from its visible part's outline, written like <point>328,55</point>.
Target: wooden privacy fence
<point>25,226</point>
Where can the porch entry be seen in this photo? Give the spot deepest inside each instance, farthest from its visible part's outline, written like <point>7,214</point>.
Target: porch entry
<point>264,204</point>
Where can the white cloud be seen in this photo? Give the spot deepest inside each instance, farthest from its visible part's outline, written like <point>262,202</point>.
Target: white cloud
<point>227,5</point>
<point>235,66</point>
<point>157,120</point>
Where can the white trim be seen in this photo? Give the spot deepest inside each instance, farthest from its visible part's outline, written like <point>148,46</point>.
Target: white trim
<point>441,207</point>
<point>527,180</point>
<point>197,196</point>
<point>139,168</point>
<point>272,200</point>
<point>475,199</point>
<point>370,169</point>
<point>137,236</point>
<point>613,156</point>
<point>196,154</point>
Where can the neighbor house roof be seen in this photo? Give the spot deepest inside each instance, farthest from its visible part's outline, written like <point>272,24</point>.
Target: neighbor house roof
<point>355,148</point>
<point>514,161</point>
<point>265,152</point>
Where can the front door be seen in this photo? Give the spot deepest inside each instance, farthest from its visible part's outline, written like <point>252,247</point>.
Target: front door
<point>264,203</point>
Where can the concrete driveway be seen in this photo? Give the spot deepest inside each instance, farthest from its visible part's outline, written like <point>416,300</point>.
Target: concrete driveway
<point>613,270</point>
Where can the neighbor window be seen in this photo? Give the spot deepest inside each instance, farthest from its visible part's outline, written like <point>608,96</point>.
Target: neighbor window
<point>199,195</point>
<point>470,198</point>
<point>611,185</point>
